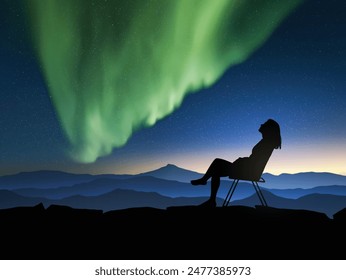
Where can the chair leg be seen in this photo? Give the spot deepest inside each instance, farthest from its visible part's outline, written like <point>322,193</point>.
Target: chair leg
<point>230,193</point>
<point>259,193</point>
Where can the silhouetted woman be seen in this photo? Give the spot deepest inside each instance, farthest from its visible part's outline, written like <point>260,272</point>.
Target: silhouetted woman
<point>248,168</point>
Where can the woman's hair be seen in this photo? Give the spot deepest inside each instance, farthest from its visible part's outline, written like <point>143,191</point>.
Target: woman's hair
<point>273,131</point>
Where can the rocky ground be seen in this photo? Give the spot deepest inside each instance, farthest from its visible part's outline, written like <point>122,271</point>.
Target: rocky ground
<point>190,232</point>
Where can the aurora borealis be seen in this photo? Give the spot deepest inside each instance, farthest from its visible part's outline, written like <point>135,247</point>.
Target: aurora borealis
<point>293,72</point>
<point>113,67</point>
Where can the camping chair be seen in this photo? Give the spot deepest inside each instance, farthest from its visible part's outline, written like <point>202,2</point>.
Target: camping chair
<point>255,185</point>
<point>255,178</point>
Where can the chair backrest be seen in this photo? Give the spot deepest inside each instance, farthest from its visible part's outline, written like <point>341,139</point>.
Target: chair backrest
<point>260,165</point>
<point>252,170</point>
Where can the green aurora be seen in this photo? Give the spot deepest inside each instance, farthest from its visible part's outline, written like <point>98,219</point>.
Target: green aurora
<point>113,67</point>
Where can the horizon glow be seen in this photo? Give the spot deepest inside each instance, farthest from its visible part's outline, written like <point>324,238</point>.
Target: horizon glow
<point>291,160</point>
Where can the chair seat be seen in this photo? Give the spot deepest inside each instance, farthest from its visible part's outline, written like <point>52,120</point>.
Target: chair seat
<point>251,179</point>
<point>260,179</point>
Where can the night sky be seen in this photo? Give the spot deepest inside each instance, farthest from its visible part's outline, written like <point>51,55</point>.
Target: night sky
<point>295,75</point>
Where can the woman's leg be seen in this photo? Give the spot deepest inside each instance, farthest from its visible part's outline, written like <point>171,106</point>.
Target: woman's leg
<point>218,168</point>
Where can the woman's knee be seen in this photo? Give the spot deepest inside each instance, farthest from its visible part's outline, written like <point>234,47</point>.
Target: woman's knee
<point>217,161</point>
<point>221,167</point>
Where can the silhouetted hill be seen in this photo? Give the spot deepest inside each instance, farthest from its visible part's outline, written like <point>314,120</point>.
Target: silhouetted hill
<point>167,188</point>
<point>55,179</point>
<point>324,203</point>
<point>340,216</point>
<point>91,188</point>
<point>139,183</point>
<point>49,179</point>
<point>104,185</point>
<point>127,198</point>
<point>233,233</point>
<point>122,199</point>
<point>172,172</point>
<point>304,180</point>
<point>42,179</point>
<point>9,199</point>
<point>298,192</point>
<point>114,200</point>
<point>88,189</point>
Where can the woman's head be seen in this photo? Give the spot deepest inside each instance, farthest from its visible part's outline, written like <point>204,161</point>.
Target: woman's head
<point>271,131</point>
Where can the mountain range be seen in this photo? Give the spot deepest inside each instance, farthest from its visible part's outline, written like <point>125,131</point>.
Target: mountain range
<point>167,186</point>
<point>51,179</point>
<point>183,232</point>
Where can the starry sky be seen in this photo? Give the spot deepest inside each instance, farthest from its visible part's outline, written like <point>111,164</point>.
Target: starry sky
<point>295,75</point>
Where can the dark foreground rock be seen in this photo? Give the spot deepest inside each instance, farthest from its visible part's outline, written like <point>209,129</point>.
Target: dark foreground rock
<point>236,232</point>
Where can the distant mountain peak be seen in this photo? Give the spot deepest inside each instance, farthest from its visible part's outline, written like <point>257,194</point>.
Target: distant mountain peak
<point>172,172</point>
<point>171,165</point>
